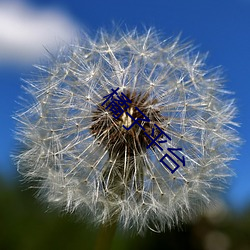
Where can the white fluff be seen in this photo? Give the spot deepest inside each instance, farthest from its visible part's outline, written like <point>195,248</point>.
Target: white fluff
<point>61,153</point>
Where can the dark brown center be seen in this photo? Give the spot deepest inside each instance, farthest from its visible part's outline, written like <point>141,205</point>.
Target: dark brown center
<point>110,131</point>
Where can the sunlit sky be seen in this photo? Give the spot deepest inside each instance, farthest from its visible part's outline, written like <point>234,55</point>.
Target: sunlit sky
<point>221,27</point>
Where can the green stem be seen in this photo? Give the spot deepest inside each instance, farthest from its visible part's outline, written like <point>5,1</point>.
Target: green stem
<point>105,236</point>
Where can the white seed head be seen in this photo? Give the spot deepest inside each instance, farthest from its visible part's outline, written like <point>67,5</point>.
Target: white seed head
<point>83,159</point>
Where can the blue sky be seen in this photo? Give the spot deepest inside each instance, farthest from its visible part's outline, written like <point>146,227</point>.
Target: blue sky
<point>221,27</point>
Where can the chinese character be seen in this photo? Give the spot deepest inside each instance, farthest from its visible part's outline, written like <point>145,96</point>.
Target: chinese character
<point>182,160</point>
<point>115,105</point>
<point>136,120</point>
<point>119,105</point>
<point>157,137</point>
<point>115,109</point>
<point>110,95</point>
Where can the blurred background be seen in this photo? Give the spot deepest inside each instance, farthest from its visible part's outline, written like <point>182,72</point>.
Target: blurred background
<point>28,28</point>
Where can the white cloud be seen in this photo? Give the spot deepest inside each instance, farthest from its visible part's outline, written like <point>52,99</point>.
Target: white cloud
<point>25,31</point>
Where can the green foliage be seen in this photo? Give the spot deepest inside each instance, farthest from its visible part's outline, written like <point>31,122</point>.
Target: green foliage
<point>25,226</point>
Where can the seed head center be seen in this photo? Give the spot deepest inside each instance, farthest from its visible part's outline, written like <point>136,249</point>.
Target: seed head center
<point>125,119</point>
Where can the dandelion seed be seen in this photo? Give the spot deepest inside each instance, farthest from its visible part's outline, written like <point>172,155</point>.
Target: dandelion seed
<point>85,160</point>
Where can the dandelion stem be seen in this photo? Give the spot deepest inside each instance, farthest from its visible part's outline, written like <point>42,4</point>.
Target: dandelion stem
<point>105,236</point>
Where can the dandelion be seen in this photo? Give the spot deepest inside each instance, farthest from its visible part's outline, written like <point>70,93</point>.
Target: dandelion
<point>84,160</point>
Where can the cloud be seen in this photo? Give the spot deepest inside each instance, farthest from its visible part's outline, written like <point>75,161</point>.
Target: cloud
<point>25,31</point>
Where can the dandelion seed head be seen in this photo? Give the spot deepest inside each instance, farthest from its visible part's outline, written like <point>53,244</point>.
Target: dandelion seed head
<point>85,161</point>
